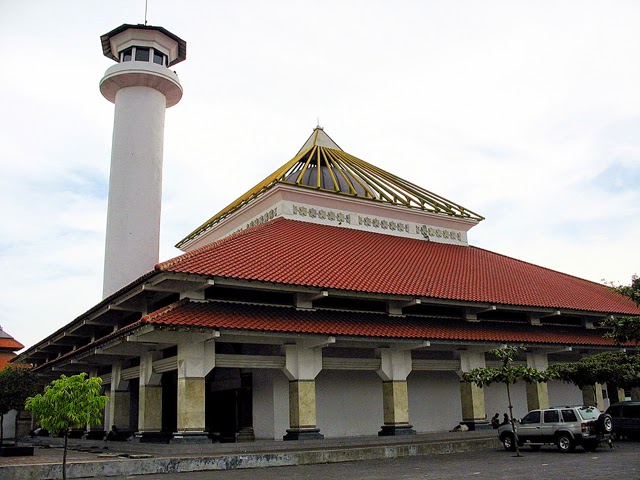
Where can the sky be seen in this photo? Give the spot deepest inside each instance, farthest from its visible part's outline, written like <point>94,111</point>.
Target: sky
<point>527,113</point>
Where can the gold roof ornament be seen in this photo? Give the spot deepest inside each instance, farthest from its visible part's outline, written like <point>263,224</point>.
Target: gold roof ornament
<point>321,165</point>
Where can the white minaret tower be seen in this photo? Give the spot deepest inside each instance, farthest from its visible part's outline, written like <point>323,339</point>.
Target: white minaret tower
<point>142,87</point>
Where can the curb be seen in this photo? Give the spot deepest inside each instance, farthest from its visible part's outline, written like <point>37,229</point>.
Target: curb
<point>246,460</point>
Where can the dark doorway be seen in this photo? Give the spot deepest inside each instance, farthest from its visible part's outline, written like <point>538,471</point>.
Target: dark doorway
<point>228,403</point>
<point>169,384</point>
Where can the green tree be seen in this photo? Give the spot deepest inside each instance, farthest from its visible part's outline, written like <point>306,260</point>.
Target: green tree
<point>69,402</point>
<point>624,330</point>
<point>17,382</point>
<point>632,291</point>
<point>616,368</point>
<point>507,373</point>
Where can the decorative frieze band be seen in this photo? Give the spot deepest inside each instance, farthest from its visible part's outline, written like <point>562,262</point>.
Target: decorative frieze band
<point>427,232</point>
<point>265,217</point>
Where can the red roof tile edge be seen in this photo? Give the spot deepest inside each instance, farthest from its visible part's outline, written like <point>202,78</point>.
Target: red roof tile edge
<point>270,253</point>
<point>233,316</point>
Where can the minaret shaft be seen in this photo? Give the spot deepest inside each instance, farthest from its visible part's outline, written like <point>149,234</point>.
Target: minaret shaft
<point>135,186</point>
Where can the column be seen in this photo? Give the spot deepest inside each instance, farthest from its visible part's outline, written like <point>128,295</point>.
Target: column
<point>119,400</point>
<point>592,396</point>
<point>96,432</point>
<point>150,399</point>
<point>303,363</point>
<point>537,393</point>
<point>472,397</point>
<point>195,361</point>
<point>635,394</point>
<point>395,367</point>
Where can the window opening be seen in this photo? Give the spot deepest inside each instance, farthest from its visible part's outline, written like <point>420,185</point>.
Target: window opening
<point>142,54</point>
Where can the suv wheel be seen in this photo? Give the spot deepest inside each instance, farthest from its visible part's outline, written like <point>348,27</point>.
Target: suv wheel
<point>509,442</point>
<point>565,443</point>
<point>605,423</point>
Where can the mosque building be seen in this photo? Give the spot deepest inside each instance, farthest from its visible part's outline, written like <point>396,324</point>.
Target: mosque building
<point>332,299</point>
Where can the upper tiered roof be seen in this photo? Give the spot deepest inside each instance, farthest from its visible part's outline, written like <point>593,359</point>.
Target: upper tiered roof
<point>321,165</point>
<point>284,252</point>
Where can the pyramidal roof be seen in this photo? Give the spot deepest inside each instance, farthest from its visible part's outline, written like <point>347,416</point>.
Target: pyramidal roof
<point>321,165</point>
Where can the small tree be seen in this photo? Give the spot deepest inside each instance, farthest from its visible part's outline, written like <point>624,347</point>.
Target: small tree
<point>17,382</point>
<point>69,402</point>
<point>507,373</point>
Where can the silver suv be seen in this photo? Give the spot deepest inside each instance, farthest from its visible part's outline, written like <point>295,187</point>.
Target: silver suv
<point>565,427</point>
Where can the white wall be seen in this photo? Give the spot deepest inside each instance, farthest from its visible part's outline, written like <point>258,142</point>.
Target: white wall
<point>561,393</point>
<point>348,403</point>
<point>495,396</point>
<point>434,401</point>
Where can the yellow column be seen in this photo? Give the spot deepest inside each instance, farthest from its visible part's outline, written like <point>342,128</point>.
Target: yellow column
<point>395,367</point>
<point>195,360</point>
<point>150,398</point>
<point>303,363</point>
<point>473,406</point>
<point>302,404</point>
<point>592,396</point>
<point>119,400</point>
<point>537,393</point>
<point>472,401</point>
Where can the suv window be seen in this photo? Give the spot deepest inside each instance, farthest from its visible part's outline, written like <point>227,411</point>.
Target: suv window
<point>589,413</point>
<point>531,417</point>
<point>569,416</point>
<point>551,416</point>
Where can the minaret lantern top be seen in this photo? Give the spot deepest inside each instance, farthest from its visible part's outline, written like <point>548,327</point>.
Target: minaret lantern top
<point>144,43</point>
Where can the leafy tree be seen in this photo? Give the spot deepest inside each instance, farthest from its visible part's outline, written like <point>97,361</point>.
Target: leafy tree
<point>624,330</point>
<point>616,368</point>
<point>632,291</point>
<point>17,382</point>
<point>69,402</point>
<point>507,373</point>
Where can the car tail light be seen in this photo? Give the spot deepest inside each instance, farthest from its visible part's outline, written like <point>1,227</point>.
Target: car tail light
<point>584,428</point>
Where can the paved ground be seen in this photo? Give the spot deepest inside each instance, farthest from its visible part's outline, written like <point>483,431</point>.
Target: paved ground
<point>623,463</point>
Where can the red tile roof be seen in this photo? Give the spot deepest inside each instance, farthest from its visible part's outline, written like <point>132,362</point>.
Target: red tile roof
<point>220,315</point>
<point>306,254</point>
<point>10,344</point>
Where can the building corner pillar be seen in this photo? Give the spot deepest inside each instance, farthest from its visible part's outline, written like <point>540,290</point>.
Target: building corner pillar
<point>302,366</point>
<point>150,399</point>
<point>472,399</point>
<point>395,367</point>
<point>119,400</point>
<point>537,392</point>
<point>195,361</point>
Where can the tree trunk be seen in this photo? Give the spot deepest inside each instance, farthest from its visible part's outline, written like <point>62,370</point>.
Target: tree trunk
<point>64,456</point>
<point>513,424</point>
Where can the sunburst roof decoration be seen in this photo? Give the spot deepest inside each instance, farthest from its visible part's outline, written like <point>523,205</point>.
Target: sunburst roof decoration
<point>321,165</point>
